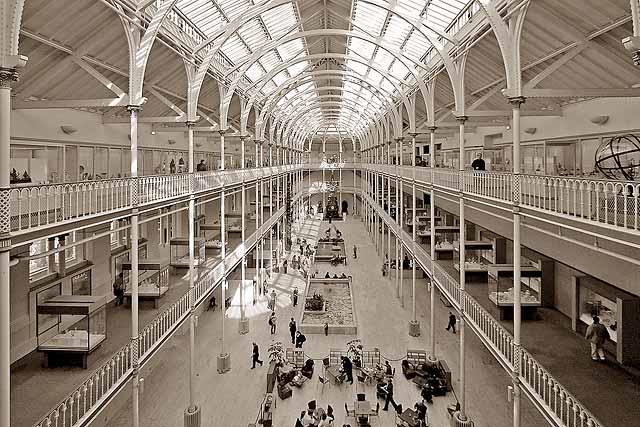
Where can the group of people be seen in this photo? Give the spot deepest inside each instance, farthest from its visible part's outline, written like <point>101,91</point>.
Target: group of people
<point>316,418</point>
<point>297,337</point>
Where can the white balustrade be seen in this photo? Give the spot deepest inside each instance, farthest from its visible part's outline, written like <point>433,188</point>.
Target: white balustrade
<point>550,394</point>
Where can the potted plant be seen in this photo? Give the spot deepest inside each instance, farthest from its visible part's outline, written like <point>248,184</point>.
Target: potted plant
<point>277,354</point>
<point>354,352</point>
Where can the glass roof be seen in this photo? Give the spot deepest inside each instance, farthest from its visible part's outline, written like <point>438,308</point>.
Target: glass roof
<point>365,59</point>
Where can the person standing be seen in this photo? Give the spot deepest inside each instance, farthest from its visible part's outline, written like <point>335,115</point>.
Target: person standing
<point>255,357</point>
<point>597,334</point>
<point>452,322</point>
<point>300,339</point>
<point>326,329</point>
<point>272,322</point>
<point>284,266</point>
<point>295,296</point>
<point>118,289</point>
<point>347,368</point>
<point>292,329</point>
<point>389,396</point>
<point>355,252</point>
<point>273,300</point>
<point>478,163</point>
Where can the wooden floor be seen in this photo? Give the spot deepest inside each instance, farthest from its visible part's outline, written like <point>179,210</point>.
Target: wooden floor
<point>233,399</point>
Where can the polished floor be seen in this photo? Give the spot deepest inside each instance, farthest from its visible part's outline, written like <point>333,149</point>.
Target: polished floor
<point>233,399</point>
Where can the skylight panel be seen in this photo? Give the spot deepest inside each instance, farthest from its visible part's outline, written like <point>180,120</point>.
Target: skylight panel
<point>397,31</point>
<point>233,8</point>
<point>370,17</point>
<point>357,67</point>
<point>279,20</point>
<point>297,68</point>
<point>399,70</point>
<point>383,59</point>
<point>253,34</point>
<point>270,61</point>
<point>362,47</point>
<point>416,46</point>
<point>254,72</point>
<point>386,85</point>
<point>290,49</point>
<point>280,78</point>
<point>235,49</point>
<point>410,7</point>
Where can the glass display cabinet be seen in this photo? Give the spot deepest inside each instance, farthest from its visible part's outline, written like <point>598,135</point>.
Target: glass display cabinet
<point>153,279</point>
<point>180,252</point>
<point>211,234</point>
<point>70,327</point>
<point>120,255</point>
<point>618,311</point>
<point>479,255</point>
<point>445,236</point>
<point>500,279</point>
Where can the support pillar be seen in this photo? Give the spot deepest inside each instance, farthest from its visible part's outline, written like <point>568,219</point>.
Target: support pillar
<point>243,327</point>
<point>462,414</point>
<point>432,246</point>
<point>516,103</point>
<point>224,359</point>
<point>7,75</point>
<point>414,325</point>
<point>192,414</point>
<point>133,254</point>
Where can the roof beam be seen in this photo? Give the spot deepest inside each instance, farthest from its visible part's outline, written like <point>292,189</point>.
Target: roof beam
<point>556,65</point>
<point>581,93</point>
<point>508,113</point>
<point>99,76</point>
<point>142,119</point>
<point>71,103</point>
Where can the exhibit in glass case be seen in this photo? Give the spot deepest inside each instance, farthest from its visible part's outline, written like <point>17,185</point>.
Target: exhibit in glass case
<point>479,255</point>
<point>153,279</point>
<point>500,287</point>
<point>180,252</point>
<point>68,325</point>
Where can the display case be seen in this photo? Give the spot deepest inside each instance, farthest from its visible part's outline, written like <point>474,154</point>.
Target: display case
<point>500,280</point>
<point>81,283</point>
<point>70,325</point>
<point>445,236</point>
<point>180,252</point>
<point>153,279</point>
<point>618,310</point>
<point>121,254</point>
<point>479,255</point>
<point>211,234</point>
<point>234,225</point>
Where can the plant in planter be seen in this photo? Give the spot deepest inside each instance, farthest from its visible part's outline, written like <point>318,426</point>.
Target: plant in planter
<point>314,303</point>
<point>276,354</point>
<point>354,352</point>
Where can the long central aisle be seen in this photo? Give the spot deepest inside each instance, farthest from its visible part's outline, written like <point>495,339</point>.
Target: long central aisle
<point>233,399</point>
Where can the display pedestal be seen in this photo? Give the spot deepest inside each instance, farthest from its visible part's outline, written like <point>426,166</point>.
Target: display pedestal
<point>224,363</point>
<point>414,328</point>
<point>243,326</point>
<point>192,417</point>
<point>457,422</point>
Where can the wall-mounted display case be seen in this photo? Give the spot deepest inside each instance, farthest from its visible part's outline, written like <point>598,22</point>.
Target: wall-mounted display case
<point>618,310</point>
<point>180,252</point>
<point>445,236</point>
<point>153,279</point>
<point>70,325</point>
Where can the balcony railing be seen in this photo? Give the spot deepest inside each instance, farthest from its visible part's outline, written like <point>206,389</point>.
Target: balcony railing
<point>615,203</point>
<point>81,404</point>
<point>39,206</point>
<point>558,403</point>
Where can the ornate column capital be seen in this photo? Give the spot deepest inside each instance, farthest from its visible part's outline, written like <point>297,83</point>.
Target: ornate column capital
<point>413,134</point>
<point>462,119</point>
<point>222,131</point>
<point>400,139</point>
<point>131,108</point>
<point>432,128</point>
<point>8,75</point>
<point>189,123</point>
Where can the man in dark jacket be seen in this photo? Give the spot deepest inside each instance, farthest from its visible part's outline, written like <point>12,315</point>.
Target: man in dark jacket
<point>300,339</point>
<point>347,368</point>
<point>292,329</point>
<point>255,357</point>
<point>452,322</point>
<point>389,398</point>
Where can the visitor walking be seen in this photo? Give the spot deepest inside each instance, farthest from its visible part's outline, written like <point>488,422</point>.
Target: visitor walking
<point>255,357</point>
<point>295,297</point>
<point>272,322</point>
<point>326,329</point>
<point>292,330</point>
<point>300,339</point>
<point>355,252</point>
<point>284,266</point>
<point>272,300</point>
<point>597,334</point>
<point>389,397</point>
<point>452,322</point>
